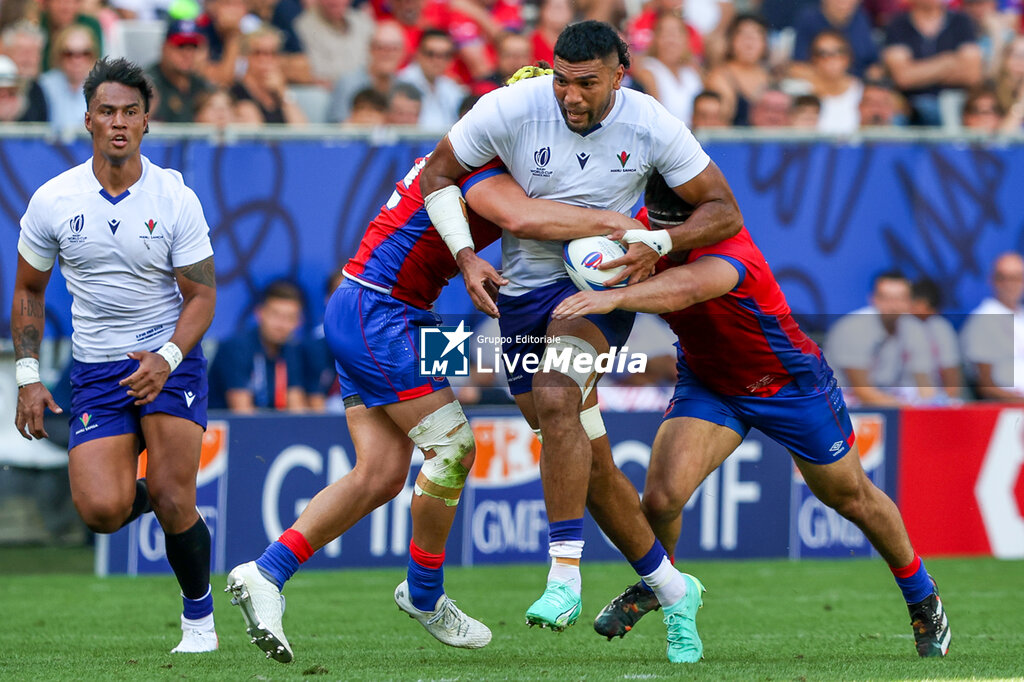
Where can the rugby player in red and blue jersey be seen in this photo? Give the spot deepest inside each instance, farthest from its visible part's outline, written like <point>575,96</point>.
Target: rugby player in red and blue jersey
<point>372,328</point>
<point>743,362</point>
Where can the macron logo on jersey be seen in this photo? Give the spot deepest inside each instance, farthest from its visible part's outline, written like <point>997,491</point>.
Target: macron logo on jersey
<point>583,157</point>
<point>114,224</point>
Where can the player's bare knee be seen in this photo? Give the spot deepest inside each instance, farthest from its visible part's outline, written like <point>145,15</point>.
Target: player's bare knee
<point>662,503</point>
<point>105,516</point>
<point>446,433</point>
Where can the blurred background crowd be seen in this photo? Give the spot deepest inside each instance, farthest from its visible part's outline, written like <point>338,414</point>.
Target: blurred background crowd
<point>833,66</point>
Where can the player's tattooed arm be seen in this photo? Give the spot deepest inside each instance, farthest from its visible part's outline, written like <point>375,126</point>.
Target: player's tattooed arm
<point>28,310</point>
<point>200,273</point>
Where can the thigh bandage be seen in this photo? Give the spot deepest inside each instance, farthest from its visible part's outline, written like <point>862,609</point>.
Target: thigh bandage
<point>592,422</point>
<point>560,355</point>
<point>447,434</point>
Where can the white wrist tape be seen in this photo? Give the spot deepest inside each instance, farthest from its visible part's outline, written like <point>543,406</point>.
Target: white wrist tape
<point>171,353</point>
<point>659,240</point>
<point>26,371</point>
<point>447,211</point>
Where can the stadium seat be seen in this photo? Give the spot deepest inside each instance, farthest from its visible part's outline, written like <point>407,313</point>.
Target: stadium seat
<point>313,100</point>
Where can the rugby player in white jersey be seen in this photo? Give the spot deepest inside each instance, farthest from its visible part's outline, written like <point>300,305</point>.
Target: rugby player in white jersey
<point>135,252</point>
<point>577,137</point>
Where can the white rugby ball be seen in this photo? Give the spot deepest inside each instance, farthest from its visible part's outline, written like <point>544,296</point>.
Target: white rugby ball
<point>583,256</point>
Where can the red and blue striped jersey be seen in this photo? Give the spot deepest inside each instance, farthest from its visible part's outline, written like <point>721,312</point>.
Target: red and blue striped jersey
<point>402,254</point>
<point>745,342</point>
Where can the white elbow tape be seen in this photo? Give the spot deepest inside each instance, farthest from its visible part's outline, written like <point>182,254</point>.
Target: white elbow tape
<point>592,422</point>
<point>26,371</point>
<point>171,353</point>
<point>447,434</point>
<point>447,211</point>
<point>561,356</point>
<point>659,240</point>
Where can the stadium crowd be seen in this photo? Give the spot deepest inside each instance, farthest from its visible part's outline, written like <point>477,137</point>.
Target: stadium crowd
<point>828,65</point>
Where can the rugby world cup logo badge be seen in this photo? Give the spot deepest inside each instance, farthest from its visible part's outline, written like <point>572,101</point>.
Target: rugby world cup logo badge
<point>592,260</point>
<point>542,156</point>
<point>77,223</point>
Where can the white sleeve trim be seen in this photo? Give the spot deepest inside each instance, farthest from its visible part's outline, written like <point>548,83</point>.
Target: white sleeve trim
<point>40,263</point>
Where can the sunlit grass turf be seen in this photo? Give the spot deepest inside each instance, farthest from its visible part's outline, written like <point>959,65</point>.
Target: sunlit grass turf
<point>761,620</point>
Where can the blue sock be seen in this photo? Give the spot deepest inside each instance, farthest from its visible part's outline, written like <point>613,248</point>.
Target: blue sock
<point>913,580</point>
<point>278,563</point>
<point>649,562</point>
<point>571,529</point>
<point>426,585</point>
<point>194,609</point>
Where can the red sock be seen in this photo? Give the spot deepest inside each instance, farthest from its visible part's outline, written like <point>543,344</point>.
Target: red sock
<point>297,543</point>
<point>424,558</point>
<point>908,570</point>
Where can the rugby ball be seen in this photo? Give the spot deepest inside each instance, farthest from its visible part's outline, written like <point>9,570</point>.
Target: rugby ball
<point>583,256</point>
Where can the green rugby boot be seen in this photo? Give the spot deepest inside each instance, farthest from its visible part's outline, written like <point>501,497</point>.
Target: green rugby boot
<point>557,608</point>
<point>684,645</point>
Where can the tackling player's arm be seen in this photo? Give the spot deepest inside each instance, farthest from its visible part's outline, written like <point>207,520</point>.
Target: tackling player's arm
<point>674,289</point>
<point>502,201</point>
<point>198,287</point>
<point>28,319</point>
<point>447,210</point>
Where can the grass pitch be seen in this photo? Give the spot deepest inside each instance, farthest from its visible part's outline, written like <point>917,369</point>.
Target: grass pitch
<point>777,620</point>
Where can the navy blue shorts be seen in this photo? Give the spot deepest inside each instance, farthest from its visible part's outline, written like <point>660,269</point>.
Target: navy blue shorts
<point>101,408</point>
<point>374,339</point>
<point>524,324</point>
<point>813,425</point>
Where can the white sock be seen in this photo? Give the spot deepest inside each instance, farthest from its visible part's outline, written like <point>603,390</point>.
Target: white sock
<point>568,574</point>
<point>204,623</point>
<point>668,584</point>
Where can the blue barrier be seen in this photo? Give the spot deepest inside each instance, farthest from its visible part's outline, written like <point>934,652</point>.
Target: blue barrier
<point>827,216</point>
<point>260,472</point>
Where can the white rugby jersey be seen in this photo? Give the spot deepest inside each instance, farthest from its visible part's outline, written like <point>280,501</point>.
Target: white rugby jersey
<point>117,255</point>
<point>606,168</point>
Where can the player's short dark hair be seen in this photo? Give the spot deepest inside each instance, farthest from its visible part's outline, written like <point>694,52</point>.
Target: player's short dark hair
<point>283,289</point>
<point>663,204</point>
<point>590,40</point>
<point>927,290</point>
<point>118,70</point>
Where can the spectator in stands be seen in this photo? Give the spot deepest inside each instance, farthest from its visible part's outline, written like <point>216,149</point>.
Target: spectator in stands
<point>387,52</point>
<point>369,108</point>
<point>878,105</point>
<point>261,368</point>
<point>552,17</point>
<point>16,11</point>
<point>771,109</point>
<point>744,75</point>
<point>839,91</point>
<point>281,14</point>
<point>474,26</point>
<point>994,30</point>
<point>880,353</point>
<point>320,373</point>
<point>405,105</point>
<point>12,100</point>
<point>982,112</point>
<point>845,17</point>
<point>175,77</point>
<point>223,24</point>
<point>58,15</point>
<point>336,38</point>
<point>74,52</point>
<point>263,81</point>
<point>409,15</point>
<point>513,52</point>
<point>805,113</point>
<point>441,95</point>
<point>22,43</point>
<point>1010,84</point>
<point>668,72</point>
<point>929,49</point>
<point>708,111</point>
<point>218,108</point>
<point>925,301</point>
<point>992,339</point>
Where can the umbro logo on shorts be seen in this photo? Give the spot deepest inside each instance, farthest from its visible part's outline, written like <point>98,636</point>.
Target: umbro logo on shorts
<point>189,397</point>
<point>837,446</point>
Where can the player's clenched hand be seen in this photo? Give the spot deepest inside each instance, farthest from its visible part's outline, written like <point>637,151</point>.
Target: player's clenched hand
<point>146,382</point>
<point>482,281</point>
<point>639,261</point>
<point>33,399</point>
<point>585,303</point>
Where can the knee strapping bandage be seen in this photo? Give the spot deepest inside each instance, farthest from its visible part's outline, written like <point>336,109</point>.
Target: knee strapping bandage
<point>561,355</point>
<point>446,433</point>
<point>592,422</point>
